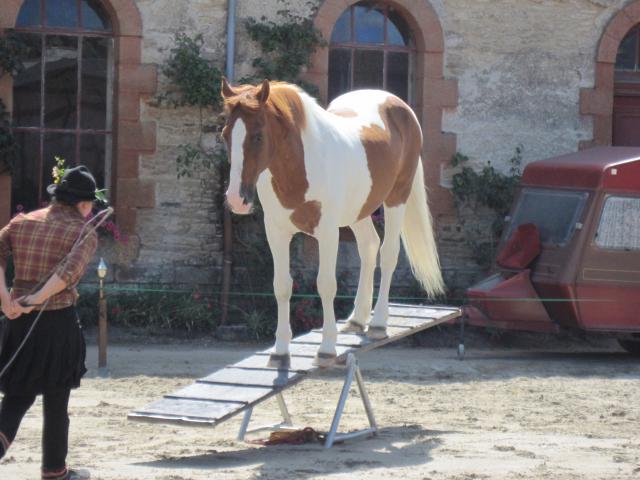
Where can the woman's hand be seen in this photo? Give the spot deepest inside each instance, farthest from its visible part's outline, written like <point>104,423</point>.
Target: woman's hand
<point>27,303</point>
<point>10,307</point>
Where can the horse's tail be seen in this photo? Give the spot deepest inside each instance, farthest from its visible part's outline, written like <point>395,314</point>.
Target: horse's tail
<point>419,241</point>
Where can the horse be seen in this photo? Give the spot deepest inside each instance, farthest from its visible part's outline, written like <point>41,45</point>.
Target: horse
<point>317,170</point>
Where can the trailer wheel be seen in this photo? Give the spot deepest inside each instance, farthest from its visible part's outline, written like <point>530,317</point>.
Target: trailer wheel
<point>631,346</point>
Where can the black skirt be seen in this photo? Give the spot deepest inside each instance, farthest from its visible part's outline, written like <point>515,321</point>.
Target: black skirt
<point>52,358</point>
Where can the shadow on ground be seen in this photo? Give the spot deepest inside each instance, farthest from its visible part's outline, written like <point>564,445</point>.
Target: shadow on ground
<point>270,462</point>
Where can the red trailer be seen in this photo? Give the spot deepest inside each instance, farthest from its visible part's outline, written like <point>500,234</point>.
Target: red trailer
<point>570,254</point>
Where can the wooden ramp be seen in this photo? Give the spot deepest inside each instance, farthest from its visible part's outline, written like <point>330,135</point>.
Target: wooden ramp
<point>239,387</point>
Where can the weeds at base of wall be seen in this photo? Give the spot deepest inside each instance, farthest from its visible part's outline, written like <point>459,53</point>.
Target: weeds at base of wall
<point>486,194</point>
<point>185,313</point>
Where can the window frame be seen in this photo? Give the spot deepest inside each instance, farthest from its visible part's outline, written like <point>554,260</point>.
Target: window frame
<point>352,45</point>
<point>80,34</point>
<point>578,214</point>
<point>594,241</point>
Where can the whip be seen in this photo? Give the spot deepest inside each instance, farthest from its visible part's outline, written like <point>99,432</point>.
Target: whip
<point>82,236</point>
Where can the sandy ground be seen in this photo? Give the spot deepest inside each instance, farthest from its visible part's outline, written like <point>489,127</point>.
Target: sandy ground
<point>501,413</point>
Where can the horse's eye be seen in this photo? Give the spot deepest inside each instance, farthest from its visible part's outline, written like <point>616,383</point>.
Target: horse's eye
<point>256,138</point>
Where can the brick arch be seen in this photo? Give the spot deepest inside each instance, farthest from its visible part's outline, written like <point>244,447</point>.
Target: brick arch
<point>597,102</point>
<point>434,93</point>
<point>133,137</point>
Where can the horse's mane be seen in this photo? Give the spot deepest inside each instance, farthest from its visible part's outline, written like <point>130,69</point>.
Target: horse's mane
<point>284,102</point>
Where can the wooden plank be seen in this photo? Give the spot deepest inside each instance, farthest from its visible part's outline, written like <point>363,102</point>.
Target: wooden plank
<point>346,339</point>
<point>196,410</point>
<point>254,377</point>
<point>412,322</point>
<point>224,393</point>
<point>229,391</point>
<point>410,331</point>
<point>298,364</point>
<point>415,312</point>
<point>309,350</point>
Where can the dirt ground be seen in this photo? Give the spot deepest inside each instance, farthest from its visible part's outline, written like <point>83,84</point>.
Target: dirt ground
<point>570,410</point>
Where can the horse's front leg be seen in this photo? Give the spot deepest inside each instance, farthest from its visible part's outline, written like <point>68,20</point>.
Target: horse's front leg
<point>327,287</point>
<point>282,284</point>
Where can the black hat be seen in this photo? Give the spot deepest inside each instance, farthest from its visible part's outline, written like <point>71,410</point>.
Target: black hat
<point>77,184</point>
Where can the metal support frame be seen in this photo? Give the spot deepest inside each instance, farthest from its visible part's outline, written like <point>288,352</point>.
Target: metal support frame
<point>286,423</point>
<point>353,371</point>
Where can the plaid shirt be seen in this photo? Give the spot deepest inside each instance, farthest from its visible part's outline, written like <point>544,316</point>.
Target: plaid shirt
<point>38,242</point>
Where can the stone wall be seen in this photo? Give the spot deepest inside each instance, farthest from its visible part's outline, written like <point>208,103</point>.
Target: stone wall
<point>519,66</point>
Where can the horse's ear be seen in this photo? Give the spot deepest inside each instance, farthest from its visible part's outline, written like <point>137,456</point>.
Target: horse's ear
<point>227,91</point>
<point>263,94</point>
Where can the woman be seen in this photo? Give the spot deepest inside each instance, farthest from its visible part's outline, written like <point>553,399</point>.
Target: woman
<point>49,244</point>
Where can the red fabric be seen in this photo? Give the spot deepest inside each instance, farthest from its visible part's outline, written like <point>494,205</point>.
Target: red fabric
<point>521,249</point>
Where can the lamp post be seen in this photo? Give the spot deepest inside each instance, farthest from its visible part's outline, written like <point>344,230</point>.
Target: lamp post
<point>102,321</point>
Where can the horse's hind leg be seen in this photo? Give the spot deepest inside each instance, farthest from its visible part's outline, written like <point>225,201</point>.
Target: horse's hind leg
<point>327,287</point>
<point>282,286</point>
<point>393,220</point>
<point>368,246</point>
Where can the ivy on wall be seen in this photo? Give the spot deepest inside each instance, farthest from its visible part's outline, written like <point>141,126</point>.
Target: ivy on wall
<point>485,194</point>
<point>196,80</point>
<point>287,47</point>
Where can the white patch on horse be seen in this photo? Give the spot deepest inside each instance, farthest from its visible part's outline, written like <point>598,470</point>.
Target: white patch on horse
<point>238,135</point>
<point>330,180</point>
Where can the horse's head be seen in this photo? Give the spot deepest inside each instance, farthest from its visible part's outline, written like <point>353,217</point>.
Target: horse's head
<point>247,136</point>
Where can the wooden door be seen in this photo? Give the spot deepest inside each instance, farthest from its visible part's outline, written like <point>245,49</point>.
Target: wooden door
<point>626,115</point>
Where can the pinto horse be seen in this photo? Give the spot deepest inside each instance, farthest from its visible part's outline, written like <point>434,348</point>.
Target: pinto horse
<point>316,170</point>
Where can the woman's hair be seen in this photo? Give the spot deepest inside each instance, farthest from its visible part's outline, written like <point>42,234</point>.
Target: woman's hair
<point>65,198</point>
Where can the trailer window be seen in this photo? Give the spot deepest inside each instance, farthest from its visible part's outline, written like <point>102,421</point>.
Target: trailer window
<point>554,212</point>
<point>620,224</point>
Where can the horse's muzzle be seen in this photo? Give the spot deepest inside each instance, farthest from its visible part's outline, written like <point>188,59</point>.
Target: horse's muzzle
<point>248,193</point>
<point>237,204</point>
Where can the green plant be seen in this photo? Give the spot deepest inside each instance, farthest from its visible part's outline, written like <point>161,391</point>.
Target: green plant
<point>170,311</point>
<point>485,193</point>
<point>287,47</point>
<point>261,326</point>
<point>197,80</point>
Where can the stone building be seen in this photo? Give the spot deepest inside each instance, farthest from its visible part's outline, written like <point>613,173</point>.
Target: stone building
<point>553,76</point>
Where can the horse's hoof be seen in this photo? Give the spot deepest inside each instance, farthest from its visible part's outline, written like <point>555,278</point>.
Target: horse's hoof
<point>324,360</point>
<point>353,327</point>
<point>281,362</point>
<point>377,333</point>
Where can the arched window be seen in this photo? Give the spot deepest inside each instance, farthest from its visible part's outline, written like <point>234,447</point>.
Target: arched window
<point>371,47</point>
<point>63,100</point>
<point>628,58</point>
<point>626,98</point>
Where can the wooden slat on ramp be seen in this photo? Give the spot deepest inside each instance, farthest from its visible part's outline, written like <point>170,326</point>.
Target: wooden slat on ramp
<point>225,393</point>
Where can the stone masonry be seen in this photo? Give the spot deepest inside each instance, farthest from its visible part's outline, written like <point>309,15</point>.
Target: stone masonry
<point>520,67</point>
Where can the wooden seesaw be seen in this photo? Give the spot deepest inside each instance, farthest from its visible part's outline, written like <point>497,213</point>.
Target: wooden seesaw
<point>240,387</point>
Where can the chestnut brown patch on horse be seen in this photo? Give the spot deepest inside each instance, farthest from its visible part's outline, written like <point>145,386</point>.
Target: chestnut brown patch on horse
<point>278,122</point>
<point>344,112</point>
<point>392,155</point>
<point>307,216</point>
<point>287,122</point>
